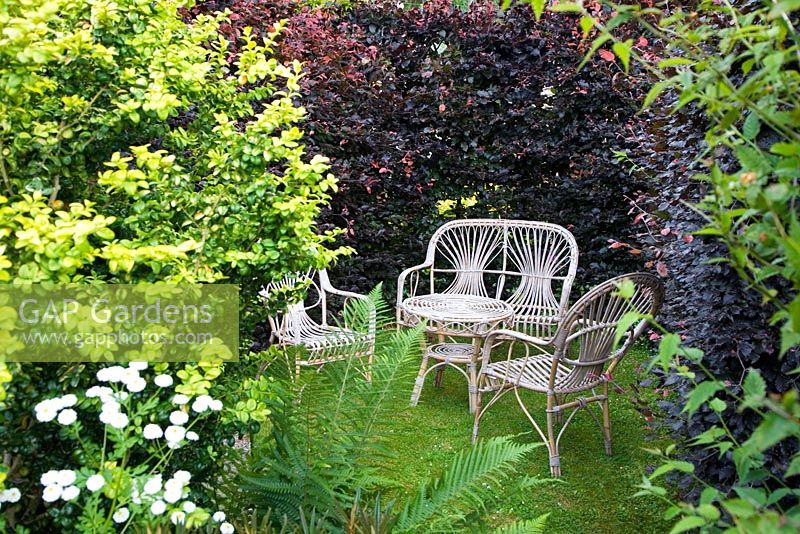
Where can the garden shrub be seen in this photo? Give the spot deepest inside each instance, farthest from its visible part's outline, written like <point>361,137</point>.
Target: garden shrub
<point>435,113</point>
<point>709,305</point>
<point>731,76</point>
<point>137,147</point>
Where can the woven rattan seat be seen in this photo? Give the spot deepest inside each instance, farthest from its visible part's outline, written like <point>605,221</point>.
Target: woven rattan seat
<point>530,373</point>
<point>451,352</point>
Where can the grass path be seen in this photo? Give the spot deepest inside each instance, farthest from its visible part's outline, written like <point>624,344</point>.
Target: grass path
<point>595,494</point>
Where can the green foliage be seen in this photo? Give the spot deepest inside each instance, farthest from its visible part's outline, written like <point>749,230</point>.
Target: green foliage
<point>33,447</point>
<point>759,501</point>
<point>130,148</point>
<point>739,66</point>
<point>326,428</point>
<point>327,445</point>
<point>466,485</point>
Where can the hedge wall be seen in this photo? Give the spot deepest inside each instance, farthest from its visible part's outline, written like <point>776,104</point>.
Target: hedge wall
<point>434,104</point>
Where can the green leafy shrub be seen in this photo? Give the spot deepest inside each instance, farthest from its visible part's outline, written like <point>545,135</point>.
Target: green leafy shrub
<point>738,68</point>
<point>35,444</point>
<point>137,147</point>
<point>135,138</point>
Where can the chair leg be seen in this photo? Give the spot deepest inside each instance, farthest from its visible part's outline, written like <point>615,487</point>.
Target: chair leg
<point>420,380</point>
<point>437,381</point>
<point>478,399</point>
<point>472,387</point>
<point>368,373</point>
<point>552,444</point>
<point>606,420</point>
<point>559,414</point>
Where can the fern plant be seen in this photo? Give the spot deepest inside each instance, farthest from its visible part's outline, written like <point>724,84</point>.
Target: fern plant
<point>325,448</point>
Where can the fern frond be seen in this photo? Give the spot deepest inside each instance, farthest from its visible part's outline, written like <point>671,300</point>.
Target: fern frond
<point>528,526</point>
<point>488,462</point>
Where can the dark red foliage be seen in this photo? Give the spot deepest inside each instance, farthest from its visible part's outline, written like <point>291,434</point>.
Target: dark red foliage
<point>418,106</point>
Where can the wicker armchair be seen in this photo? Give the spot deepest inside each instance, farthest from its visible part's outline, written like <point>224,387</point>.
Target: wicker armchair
<point>307,323</point>
<point>580,358</point>
<point>529,265</point>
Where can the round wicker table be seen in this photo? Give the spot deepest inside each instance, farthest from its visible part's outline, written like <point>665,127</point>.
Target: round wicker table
<point>449,315</point>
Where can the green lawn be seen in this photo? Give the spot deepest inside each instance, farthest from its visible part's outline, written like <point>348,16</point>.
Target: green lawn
<point>595,492</point>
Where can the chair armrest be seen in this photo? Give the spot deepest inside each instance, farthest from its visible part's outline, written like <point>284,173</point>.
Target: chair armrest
<point>401,280</point>
<point>511,335</point>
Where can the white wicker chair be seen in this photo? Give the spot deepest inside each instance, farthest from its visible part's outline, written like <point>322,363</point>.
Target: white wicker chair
<point>307,323</point>
<point>581,357</point>
<point>529,265</point>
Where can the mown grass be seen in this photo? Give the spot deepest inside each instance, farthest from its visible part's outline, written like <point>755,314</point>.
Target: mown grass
<point>595,494</point>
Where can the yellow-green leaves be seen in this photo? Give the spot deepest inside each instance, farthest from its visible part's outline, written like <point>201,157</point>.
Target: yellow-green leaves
<point>587,23</point>
<point>538,8</point>
<point>623,52</point>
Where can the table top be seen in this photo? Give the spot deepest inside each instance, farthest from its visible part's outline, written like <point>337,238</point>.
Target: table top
<point>458,308</point>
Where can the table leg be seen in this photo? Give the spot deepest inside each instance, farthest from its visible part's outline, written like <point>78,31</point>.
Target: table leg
<point>472,372</point>
<point>417,391</point>
<point>437,381</point>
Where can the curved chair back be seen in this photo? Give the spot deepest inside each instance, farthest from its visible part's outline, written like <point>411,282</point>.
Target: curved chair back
<point>530,265</point>
<point>287,323</point>
<point>585,339</point>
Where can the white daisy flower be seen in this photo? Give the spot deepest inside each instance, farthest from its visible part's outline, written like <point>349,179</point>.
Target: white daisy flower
<point>174,433</point>
<point>200,404</point>
<point>192,435</point>
<point>135,386</point>
<point>189,507</point>
<point>158,507</point>
<point>139,366</point>
<point>219,516</point>
<point>128,375</point>
<point>152,431</point>
<point>173,495</point>
<point>135,497</point>
<point>69,400</point>
<point>70,492</point>
<point>99,391</point>
<point>226,528</point>
<point>107,416</point>
<point>153,485</point>
<point>110,405</point>
<point>182,476</point>
<point>180,399</point>
<point>163,381</point>
<point>45,411</point>
<point>50,478</point>
<point>95,482</point>
<point>51,493</point>
<point>215,405</point>
<point>66,477</point>
<point>67,417</point>
<point>178,517</point>
<point>121,515</point>
<point>119,420</point>
<point>178,417</point>
<point>10,495</point>
<point>114,373</point>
